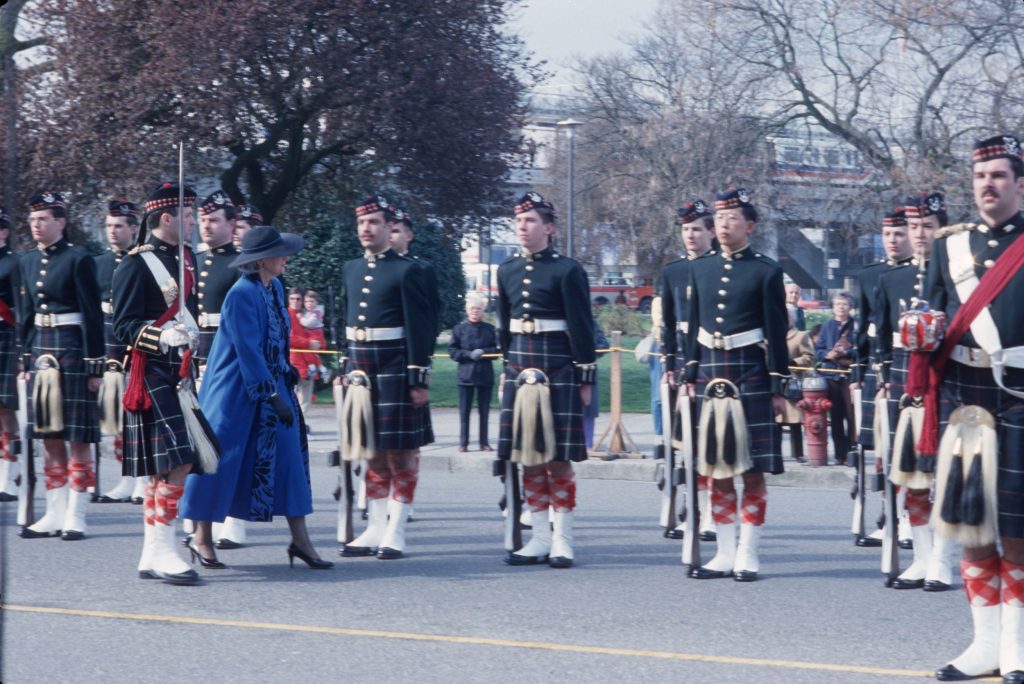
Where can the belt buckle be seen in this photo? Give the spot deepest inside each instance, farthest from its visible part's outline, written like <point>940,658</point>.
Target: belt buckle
<point>47,320</point>
<point>360,334</point>
<point>976,355</point>
<point>529,327</point>
<point>718,342</point>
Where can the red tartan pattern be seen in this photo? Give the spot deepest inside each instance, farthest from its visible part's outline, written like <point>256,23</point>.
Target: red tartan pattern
<point>535,488</point>
<point>919,507</point>
<point>149,503</point>
<point>1012,576</point>
<point>753,507</point>
<point>703,483</point>
<point>167,497</point>
<point>723,507</point>
<point>561,486</point>
<point>378,483</point>
<point>981,580</point>
<point>119,448</point>
<point>405,484</point>
<point>56,476</point>
<point>7,442</point>
<point>81,476</point>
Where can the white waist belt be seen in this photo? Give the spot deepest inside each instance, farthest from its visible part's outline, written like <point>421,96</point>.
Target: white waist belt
<point>57,320</point>
<point>107,308</point>
<point>897,341</point>
<point>374,334</point>
<point>683,326</point>
<point>979,358</point>
<point>209,320</point>
<point>540,325</point>
<point>720,341</point>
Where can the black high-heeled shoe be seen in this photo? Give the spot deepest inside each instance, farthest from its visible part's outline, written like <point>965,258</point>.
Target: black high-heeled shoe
<point>208,563</point>
<point>315,563</point>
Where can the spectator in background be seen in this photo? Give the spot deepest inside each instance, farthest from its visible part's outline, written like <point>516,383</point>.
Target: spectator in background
<point>814,333</point>
<point>299,340</point>
<point>648,351</point>
<point>835,351</point>
<point>793,294</point>
<point>593,409</point>
<point>471,339</point>
<point>801,353</point>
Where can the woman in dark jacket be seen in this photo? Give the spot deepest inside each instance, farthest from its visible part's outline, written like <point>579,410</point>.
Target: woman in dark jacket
<point>471,339</point>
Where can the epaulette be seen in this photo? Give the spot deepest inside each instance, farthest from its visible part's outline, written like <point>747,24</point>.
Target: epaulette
<point>140,249</point>
<point>953,229</point>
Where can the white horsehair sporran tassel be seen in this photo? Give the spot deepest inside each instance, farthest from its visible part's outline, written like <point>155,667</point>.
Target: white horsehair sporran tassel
<point>204,442</point>
<point>47,397</point>
<point>356,428</point>
<point>723,442</point>
<point>904,472</point>
<point>532,419</point>
<point>109,399</point>
<point>966,509</point>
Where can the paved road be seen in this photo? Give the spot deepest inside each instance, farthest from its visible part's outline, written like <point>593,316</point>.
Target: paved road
<point>452,612</point>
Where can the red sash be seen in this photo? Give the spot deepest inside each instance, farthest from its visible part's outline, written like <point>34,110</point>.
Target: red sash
<point>136,398</point>
<point>924,379</point>
<point>6,314</point>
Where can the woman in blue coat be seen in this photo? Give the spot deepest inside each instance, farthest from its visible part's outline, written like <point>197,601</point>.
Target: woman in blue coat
<point>247,397</point>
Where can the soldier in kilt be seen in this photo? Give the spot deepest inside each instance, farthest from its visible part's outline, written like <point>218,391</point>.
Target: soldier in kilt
<point>697,228</point>
<point>990,399</point>
<point>10,441</point>
<point>156,440</point>
<point>389,340</point>
<point>122,222</point>
<point>737,363</point>
<point>898,288</point>
<point>545,326</point>
<point>61,326</point>
<point>217,227</point>
<point>866,367</point>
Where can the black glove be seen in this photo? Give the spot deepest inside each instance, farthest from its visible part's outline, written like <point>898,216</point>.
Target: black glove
<point>293,377</point>
<point>282,409</point>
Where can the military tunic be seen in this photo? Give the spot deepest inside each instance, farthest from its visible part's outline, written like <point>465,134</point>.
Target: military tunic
<point>973,385</point>
<point>216,276</point>
<point>155,439</point>
<point>675,281</point>
<point>386,291</point>
<point>10,283</point>
<point>863,369</point>
<point>60,280</point>
<point>547,286</point>
<point>733,293</point>
<point>106,264</point>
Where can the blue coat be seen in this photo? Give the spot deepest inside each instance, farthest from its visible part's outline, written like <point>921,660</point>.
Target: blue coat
<point>264,466</point>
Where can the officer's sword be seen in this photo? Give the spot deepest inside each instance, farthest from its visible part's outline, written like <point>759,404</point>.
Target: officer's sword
<point>182,295</point>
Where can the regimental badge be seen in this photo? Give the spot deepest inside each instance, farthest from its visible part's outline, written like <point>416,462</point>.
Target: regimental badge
<point>399,214</point>
<point>382,203</point>
<point>699,207</point>
<point>743,196</point>
<point>534,197</point>
<point>935,204</point>
<point>125,209</point>
<point>245,212</point>
<point>48,198</point>
<point>1011,144</point>
<point>218,198</point>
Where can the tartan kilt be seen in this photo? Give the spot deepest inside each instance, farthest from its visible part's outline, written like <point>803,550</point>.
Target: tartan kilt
<point>396,424</point>
<point>866,436</point>
<point>898,381</point>
<point>202,353</point>
<point>965,385</point>
<point>8,368</point>
<point>746,368</point>
<point>551,353</point>
<point>80,411</point>
<point>156,440</point>
<point>115,350</point>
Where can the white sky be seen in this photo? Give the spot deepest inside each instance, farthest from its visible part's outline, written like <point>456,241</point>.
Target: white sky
<point>561,30</point>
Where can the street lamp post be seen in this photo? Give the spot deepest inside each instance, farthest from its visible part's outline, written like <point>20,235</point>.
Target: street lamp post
<point>570,127</point>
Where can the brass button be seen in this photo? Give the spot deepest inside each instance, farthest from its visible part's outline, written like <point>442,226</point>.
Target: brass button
<point>529,267</point>
<point>366,290</point>
<point>722,293</point>
<point>39,283</point>
<point>727,267</point>
<point>44,261</point>
<point>371,265</point>
<point>201,283</point>
<point>725,279</point>
<point>42,272</point>
<point>368,278</point>
<point>203,274</point>
<point>989,263</point>
<point>201,307</point>
<point>200,295</point>
<point>363,305</point>
<point>361,317</point>
<point>526,305</point>
<point>721,307</point>
<point>993,243</point>
<point>44,306</point>
<point>526,281</point>
<point>719,319</point>
<point>526,293</point>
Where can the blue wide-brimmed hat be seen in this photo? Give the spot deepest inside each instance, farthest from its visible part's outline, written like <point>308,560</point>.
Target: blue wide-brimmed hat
<point>263,242</point>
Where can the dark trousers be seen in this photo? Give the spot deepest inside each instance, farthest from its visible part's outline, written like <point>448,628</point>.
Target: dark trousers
<point>840,417</point>
<point>483,402</point>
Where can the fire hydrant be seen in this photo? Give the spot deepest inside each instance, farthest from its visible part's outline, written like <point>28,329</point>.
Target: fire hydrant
<point>815,404</point>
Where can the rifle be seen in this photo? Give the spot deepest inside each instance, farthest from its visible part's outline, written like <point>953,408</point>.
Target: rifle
<point>890,548</point>
<point>27,487</point>
<point>96,477</point>
<point>509,471</point>
<point>668,487</point>
<point>687,416</point>
<point>333,328</point>
<point>346,489</point>
<point>857,527</point>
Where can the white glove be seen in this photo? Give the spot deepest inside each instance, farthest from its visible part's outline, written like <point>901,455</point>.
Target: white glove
<point>476,354</point>
<point>174,337</point>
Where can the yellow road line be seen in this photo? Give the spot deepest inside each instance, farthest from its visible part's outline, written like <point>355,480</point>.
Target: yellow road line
<point>478,641</point>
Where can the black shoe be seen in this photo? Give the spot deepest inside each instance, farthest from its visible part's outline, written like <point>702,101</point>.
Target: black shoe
<point>315,563</point>
<point>899,583</point>
<point>708,536</point>
<point>867,542</point>
<point>935,585</point>
<point>951,674</point>
<point>673,534</point>
<point>227,544</point>
<point>905,544</point>
<point>208,563</point>
<point>387,553</point>
<point>147,574</point>
<point>1014,677</point>
<point>356,551</point>
<point>514,559</point>
<point>486,447</point>
<point>183,578</point>
<point>72,535</point>
<point>745,576</point>
<point>560,562</point>
<point>705,573</point>
<point>103,498</point>
<point>137,500</point>
<point>27,533</point>
<point>5,497</point>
